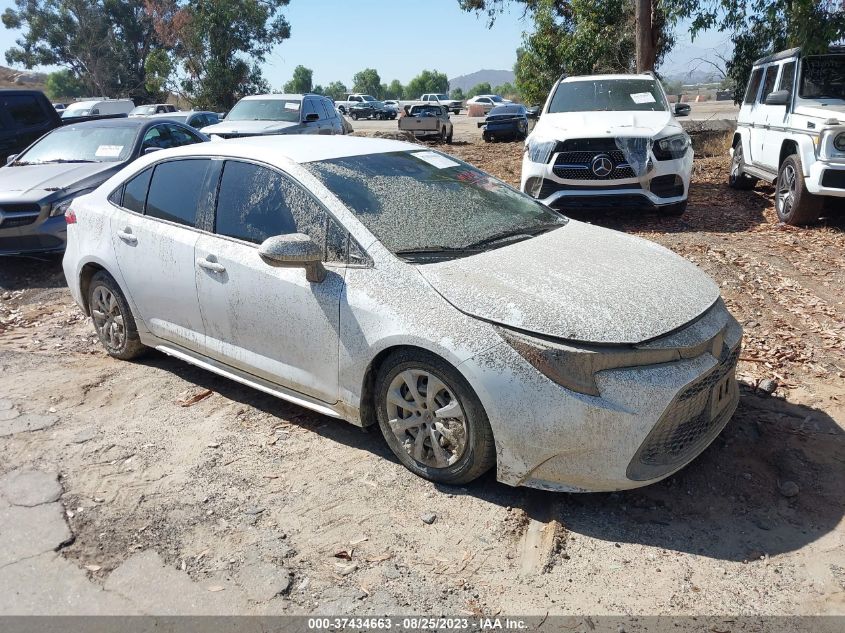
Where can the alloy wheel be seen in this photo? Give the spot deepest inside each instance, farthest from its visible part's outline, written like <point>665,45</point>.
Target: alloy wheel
<point>786,189</point>
<point>108,319</point>
<point>426,417</point>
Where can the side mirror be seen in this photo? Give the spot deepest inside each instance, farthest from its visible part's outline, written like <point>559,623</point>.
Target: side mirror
<point>295,250</point>
<point>150,150</point>
<point>778,98</point>
<point>10,158</point>
<point>311,117</point>
<point>681,109</point>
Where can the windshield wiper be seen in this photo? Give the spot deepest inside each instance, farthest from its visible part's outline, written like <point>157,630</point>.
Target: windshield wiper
<point>522,233</point>
<point>66,160</point>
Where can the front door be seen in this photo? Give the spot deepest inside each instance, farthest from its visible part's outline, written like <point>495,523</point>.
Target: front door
<point>266,320</point>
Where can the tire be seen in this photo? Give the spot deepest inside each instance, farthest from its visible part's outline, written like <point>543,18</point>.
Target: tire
<point>793,203</point>
<point>449,138</point>
<point>486,137</point>
<point>466,451</point>
<point>342,110</point>
<point>112,318</point>
<point>737,179</point>
<point>677,209</point>
<point>354,116</point>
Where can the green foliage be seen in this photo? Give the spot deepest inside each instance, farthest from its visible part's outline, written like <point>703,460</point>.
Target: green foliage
<point>159,69</point>
<point>395,90</point>
<point>457,94</point>
<point>762,27</point>
<point>367,82</point>
<point>336,90</point>
<point>427,81</point>
<point>479,89</point>
<point>505,90</point>
<point>64,84</point>
<point>318,90</point>
<point>301,81</point>
<point>104,43</point>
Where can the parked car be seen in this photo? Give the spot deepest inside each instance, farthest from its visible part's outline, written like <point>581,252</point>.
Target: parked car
<point>488,102</point>
<point>392,104</point>
<point>791,131</point>
<point>352,99</point>
<point>371,110</point>
<point>59,106</point>
<point>608,140</point>
<point>38,184</point>
<point>508,122</point>
<point>25,115</point>
<point>197,119</point>
<point>279,114</point>
<point>152,108</point>
<point>426,120</point>
<point>568,356</point>
<point>98,106</point>
<point>453,105</point>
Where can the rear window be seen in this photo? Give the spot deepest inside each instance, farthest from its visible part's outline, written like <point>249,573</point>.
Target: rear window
<point>169,198</point>
<point>24,110</point>
<point>135,191</point>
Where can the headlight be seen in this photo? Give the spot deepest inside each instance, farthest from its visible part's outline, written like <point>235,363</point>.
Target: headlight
<point>540,151</point>
<point>60,207</point>
<point>575,367</point>
<point>839,142</point>
<point>671,147</point>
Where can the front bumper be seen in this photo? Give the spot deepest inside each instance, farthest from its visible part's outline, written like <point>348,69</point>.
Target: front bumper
<point>827,178</point>
<point>649,421</point>
<point>27,230</point>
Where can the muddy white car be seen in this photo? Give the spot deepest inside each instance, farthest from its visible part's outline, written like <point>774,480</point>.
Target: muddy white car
<point>381,282</point>
<point>608,141</point>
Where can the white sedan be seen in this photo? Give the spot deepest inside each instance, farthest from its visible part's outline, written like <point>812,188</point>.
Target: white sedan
<point>381,282</point>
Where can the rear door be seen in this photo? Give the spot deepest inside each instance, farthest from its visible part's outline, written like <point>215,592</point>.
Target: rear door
<point>759,115</point>
<point>154,243</point>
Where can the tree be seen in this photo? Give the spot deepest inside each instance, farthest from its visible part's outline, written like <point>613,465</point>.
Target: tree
<point>104,43</point>
<point>64,84</point>
<point>457,94</point>
<point>427,81</point>
<point>301,82</point>
<point>219,45</point>
<point>505,89</point>
<point>761,27</point>
<point>480,89</point>
<point>367,82</point>
<point>318,90</point>
<point>336,90</point>
<point>394,90</point>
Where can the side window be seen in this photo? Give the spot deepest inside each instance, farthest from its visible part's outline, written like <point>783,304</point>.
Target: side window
<point>156,137</point>
<point>24,109</point>
<point>180,136</point>
<point>769,82</point>
<point>753,86</point>
<point>787,77</point>
<point>327,108</point>
<point>358,99</point>
<point>309,106</point>
<point>255,203</point>
<point>135,191</point>
<point>169,198</point>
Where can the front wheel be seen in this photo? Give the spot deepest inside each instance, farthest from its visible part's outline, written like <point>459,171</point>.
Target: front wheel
<point>113,319</point>
<point>793,203</point>
<point>432,419</point>
<point>354,116</point>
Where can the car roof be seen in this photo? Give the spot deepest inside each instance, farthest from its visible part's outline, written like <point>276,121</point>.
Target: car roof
<point>611,77</point>
<point>299,148</point>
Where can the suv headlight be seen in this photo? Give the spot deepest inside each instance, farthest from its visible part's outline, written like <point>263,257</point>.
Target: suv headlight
<point>839,142</point>
<point>540,151</point>
<point>671,147</point>
<point>574,367</point>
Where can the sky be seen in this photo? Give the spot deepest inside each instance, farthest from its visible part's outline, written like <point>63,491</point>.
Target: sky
<point>400,38</point>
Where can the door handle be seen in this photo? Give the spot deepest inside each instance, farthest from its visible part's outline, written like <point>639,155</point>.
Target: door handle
<point>126,236</point>
<point>212,266</point>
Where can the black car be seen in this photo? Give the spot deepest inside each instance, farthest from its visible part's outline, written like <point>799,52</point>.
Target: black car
<point>371,110</point>
<point>505,122</point>
<point>38,185</point>
<point>25,115</point>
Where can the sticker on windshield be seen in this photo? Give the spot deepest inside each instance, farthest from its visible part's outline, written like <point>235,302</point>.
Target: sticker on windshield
<point>642,97</point>
<point>435,159</point>
<point>108,151</point>
<point>291,105</point>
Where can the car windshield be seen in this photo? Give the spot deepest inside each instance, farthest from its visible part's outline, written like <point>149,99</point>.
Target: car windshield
<point>608,94</point>
<point>266,110</point>
<point>368,98</point>
<point>81,144</point>
<point>147,109</point>
<point>506,109</point>
<point>424,200</point>
<point>823,77</point>
<point>72,112</point>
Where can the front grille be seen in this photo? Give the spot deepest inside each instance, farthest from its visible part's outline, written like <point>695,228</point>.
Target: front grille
<point>11,221</point>
<point>18,214</point>
<point>609,201</point>
<point>576,165</point>
<point>833,178</point>
<point>686,426</point>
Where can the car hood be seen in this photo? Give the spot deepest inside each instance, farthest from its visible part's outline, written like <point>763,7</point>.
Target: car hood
<point>248,127</point>
<point>562,125</point>
<point>580,283</point>
<point>832,111</point>
<point>33,182</point>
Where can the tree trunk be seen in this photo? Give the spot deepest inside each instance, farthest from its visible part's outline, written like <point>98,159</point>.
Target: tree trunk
<point>645,42</point>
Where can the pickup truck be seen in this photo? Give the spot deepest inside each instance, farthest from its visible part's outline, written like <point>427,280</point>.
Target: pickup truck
<point>453,105</point>
<point>351,99</point>
<point>427,120</point>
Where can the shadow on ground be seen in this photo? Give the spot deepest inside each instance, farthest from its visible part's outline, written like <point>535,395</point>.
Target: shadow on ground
<point>37,271</point>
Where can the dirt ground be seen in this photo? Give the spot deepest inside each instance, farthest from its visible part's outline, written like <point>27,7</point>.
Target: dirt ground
<point>238,479</point>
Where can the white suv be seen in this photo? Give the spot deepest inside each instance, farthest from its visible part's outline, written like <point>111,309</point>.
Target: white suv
<point>791,130</point>
<point>608,141</point>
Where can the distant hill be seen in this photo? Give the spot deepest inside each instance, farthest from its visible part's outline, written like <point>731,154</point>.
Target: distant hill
<point>493,77</point>
<point>26,79</point>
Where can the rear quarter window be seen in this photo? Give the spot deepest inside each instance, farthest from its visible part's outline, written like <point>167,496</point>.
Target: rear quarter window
<point>753,86</point>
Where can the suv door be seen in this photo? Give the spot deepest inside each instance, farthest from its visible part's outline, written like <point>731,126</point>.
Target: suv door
<point>154,242</point>
<point>777,117</point>
<point>760,112</point>
<point>267,320</point>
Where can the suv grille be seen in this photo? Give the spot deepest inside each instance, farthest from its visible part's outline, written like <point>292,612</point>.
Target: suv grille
<point>686,426</point>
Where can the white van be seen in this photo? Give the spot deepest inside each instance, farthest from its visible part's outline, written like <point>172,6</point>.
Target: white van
<point>99,106</point>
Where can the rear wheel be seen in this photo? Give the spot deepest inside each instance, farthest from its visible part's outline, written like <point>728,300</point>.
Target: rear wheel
<point>736,178</point>
<point>443,136</point>
<point>431,418</point>
<point>793,203</point>
<point>113,319</point>
<point>354,116</point>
